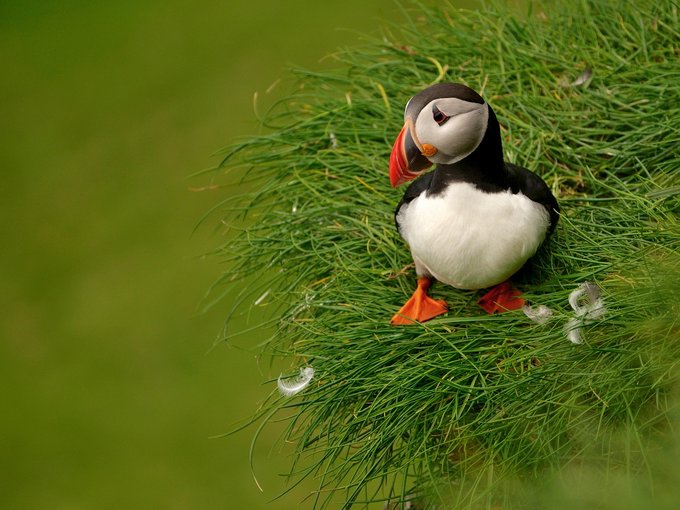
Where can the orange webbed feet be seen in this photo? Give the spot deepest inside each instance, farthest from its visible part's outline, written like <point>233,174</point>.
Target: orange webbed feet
<point>420,307</point>
<point>501,298</point>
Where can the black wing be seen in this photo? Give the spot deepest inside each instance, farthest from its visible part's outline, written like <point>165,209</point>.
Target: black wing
<point>414,190</point>
<point>531,185</point>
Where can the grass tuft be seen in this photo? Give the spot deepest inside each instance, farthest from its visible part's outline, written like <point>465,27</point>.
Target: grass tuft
<point>471,410</point>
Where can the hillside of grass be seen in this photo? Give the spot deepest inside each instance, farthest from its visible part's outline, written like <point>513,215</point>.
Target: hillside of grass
<point>471,410</point>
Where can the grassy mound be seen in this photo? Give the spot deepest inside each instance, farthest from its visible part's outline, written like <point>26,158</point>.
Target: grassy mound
<point>471,410</point>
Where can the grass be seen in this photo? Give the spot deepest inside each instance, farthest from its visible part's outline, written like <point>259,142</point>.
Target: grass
<point>470,410</point>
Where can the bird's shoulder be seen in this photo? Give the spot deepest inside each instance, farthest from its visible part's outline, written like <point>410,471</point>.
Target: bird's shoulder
<point>414,189</point>
<point>532,186</point>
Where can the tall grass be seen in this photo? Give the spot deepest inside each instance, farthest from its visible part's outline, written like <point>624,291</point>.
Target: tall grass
<point>471,410</point>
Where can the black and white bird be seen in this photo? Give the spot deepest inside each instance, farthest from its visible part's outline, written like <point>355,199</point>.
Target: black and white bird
<point>474,220</point>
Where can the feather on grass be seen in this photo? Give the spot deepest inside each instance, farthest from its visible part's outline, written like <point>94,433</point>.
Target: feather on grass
<point>294,385</point>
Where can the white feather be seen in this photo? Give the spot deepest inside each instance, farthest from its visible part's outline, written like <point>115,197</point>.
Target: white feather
<point>588,305</point>
<point>294,385</point>
<point>573,330</point>
<point>587,302</point>
<point>539,314</point>
<point>471,239</point>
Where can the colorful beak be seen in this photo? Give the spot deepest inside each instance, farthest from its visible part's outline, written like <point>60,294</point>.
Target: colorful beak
<point>406,159</point>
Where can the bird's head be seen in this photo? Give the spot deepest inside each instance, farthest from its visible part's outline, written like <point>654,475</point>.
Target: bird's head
<point>443,124</point>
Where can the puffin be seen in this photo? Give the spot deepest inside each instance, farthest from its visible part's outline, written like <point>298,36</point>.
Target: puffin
<point>474,220</point>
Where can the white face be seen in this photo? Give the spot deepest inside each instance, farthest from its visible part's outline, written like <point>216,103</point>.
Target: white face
<point>454,127</point>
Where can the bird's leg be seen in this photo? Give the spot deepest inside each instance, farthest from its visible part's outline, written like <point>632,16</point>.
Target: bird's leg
<point>420,307</point>
<point>501,298</point>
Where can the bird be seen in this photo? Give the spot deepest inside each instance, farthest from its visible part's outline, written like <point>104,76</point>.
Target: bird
<point>474,220</point>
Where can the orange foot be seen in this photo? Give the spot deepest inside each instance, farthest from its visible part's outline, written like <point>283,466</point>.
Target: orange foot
<point>420,307</point>
<point>501,298</point>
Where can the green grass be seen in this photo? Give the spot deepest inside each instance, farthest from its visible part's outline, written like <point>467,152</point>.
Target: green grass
<point>471,410</point>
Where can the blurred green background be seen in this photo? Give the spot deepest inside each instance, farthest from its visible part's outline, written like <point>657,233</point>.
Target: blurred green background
<point>109,393</point>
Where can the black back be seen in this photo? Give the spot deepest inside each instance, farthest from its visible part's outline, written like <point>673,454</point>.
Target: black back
<point>531,185</point>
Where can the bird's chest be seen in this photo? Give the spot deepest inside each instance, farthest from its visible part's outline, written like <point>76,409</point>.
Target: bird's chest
<point>469,238</point>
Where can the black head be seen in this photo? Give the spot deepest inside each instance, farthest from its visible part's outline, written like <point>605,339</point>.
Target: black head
<point>444,124</point>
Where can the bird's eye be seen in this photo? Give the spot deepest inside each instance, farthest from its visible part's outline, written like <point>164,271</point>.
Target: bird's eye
<point>439,116</point>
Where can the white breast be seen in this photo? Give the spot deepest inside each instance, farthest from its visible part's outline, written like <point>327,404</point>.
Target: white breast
<point>471,239</point>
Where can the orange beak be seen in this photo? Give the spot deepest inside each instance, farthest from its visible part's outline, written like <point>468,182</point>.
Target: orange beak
<point>406,160</point>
